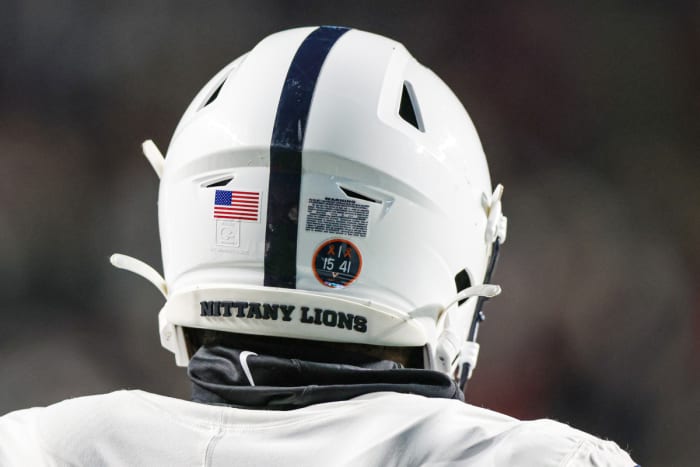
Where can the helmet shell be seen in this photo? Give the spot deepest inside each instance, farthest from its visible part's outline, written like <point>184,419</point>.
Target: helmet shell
<point>389,206</point>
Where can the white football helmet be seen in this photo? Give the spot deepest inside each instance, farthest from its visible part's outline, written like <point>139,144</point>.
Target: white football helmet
<point>326,186</point>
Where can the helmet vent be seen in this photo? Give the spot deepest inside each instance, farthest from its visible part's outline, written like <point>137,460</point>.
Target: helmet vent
<point>353,194</point>
<point>462,282</point>
<point>408,110</point>
<point>214,94</point>
<point>223,182</point>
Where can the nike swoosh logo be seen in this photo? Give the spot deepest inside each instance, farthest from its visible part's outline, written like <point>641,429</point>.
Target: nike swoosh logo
<point>244,364</point>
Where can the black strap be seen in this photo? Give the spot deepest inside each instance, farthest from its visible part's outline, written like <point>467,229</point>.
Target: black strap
<point>478,313</point>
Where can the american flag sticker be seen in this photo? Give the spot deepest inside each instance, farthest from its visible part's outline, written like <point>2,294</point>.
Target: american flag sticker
<point>238,205</point>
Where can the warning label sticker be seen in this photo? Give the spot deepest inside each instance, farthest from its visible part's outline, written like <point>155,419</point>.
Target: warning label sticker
<point>344,217</point>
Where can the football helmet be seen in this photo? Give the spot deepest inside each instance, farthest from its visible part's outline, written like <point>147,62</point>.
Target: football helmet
<point>326,186</point>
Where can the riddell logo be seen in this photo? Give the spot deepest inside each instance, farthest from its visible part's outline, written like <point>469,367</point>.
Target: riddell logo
<point>285,313</point>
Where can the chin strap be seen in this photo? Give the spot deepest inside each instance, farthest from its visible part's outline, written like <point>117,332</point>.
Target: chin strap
<point>138,267</point>
<point>481,291</point>
<point>154,156</point>
<point>449,347</point>
<point>470,348</point>
<point>496,229</point>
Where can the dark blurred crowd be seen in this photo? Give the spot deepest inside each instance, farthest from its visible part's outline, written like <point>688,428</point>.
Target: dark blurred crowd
<point>588,113</point>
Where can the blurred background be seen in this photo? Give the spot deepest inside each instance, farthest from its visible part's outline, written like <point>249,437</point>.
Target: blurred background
<point>588,112</point>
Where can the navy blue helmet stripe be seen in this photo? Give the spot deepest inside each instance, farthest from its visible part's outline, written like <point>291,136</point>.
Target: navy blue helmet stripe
<point>285,155</point>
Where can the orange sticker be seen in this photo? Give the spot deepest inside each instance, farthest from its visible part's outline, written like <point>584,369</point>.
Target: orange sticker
<point>337,263</point>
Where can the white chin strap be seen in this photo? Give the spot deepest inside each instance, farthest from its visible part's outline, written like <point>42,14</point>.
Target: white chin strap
<point>450,345</point>
<point>154,156</point>
<point>482,290</point>
<point>140,268</point>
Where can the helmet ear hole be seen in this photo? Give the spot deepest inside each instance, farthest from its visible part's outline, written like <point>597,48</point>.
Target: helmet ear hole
<point>462,281</point>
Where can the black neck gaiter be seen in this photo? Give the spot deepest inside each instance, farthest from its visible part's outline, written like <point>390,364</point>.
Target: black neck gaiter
<point>221,375</point>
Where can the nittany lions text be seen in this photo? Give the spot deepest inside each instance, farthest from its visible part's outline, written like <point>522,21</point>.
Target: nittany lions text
<point>273,311</point>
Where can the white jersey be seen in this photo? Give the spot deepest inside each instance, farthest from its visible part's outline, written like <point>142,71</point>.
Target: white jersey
<point>136,428</point>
